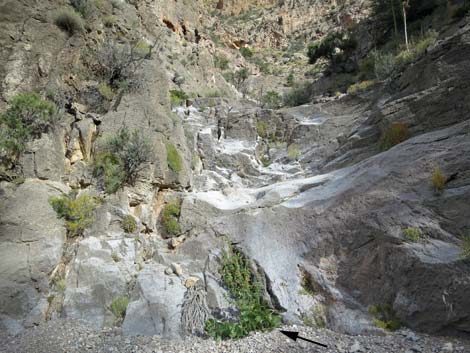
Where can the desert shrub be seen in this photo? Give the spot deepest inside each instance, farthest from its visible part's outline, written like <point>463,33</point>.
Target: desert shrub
<point>121,158</point>
<point>117,65</point>
<point>271,100</point>
<point>109,21</point>
<point>26,118</point>
<point>61,285</point>
<point>170,216</point>
<point>246,52</point>
<point>384,316</point>
<point>384,65</point>
<point>119,307</point>
<point>115,257</point>
<point>221,62</point>
<point>78,213</point>
<point>255,314</point>
<point>328,46</point>
<point>106,91</point>
<point>238,78</point>
<point>262,128</point>
<point>175,163</point>
<point>265,160</point>
<point>465,248</point>
<point>412,234</point>
<point>394,134</point>
<point>298,95</point>
<point>438,180</point>
<point>293,152</point>
<point>360,87</point>
<point>86,8</point>
<point>129,224</point>
<point>69,21</point>
<point>177,97</point>
<point>263,66</point>
<point>290,81</point>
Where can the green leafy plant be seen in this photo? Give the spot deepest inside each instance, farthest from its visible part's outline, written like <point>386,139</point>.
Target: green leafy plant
<point>412,234</point>
<point>328,46</point>
<point>385,317</point>
<point>173,158</point>
<point>177,97</point>
<point>465,248</point>
<point>119,307</point>
<point>246,52</point>
<point>170,216</point>
<point>262,128</point>
<point>384,65</point>
<point>290,81</point>
<point>255,314</point>
<point>221,62</point>
<point>78,213</point>
<point>106,91</point>
<point>438,180</point>
<point>293,152</point>
<point>271,100</point>
<point>129,224</point>
<point>26,118</point>
<point>394,134</point>
<point>298,95</point>
<point>121,158</point>
<point>360,87</point>
<point>69,21</point>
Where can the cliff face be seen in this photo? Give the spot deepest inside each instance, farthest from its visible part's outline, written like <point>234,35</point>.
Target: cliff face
<point>307,193</point>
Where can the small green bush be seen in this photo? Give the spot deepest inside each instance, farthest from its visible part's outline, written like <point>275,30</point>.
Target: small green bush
<point>221,62</point>
<point>293,152</point>
<point>412,234</point>
<point>86,8</point>
<point>61,285</point>
<point>290,81</point>
<point>384,65</point>
<point>271,100</point>
<point>26,118</point>
<point>177,97</point>
<point>360,87</point>
<point>298,95</point>
<point>394,134</point>
<point>121,158</point>
<point>115,257</point>
<point>262,128</point>
<point>246,52</point>
<point>255,314</point>
<point>465,248</point>
<point>384,316</point>
<point>129,224</point>
<point>170,216</point>
<point>69,21</point>
<point>328,45</point>
<point>119,307</point>
<point>175,163</point>
<point>78,213</point>
<point>106,91</point>
<point>438,180</point>
<point>109,21</point>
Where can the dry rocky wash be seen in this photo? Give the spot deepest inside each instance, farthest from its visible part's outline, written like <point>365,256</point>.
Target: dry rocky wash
<point>306,193</point>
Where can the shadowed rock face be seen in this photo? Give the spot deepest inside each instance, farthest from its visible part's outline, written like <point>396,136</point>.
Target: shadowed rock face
<point>305,192</point>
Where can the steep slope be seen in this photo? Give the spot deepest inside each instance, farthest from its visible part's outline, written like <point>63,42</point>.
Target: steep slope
<point>307,195</point>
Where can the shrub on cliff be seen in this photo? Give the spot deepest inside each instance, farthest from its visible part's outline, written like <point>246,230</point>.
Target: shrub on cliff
<point>78,213</point>
<point>255,314</point>
<point>334,46</point>
<point>69,21</point>
<point>170,216</point>
<point>393,134</point>
<point>27,116</point>
<point>121,158</point>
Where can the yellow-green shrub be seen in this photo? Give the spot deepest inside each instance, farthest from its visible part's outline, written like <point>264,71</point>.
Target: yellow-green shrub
<point>360,86</point>
<point>170,216</point>
<point>394,134</point>
<point>438,180</point>
<point>78,213</point>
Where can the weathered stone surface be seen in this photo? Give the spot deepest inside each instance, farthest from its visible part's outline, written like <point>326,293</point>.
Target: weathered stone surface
<point>155,307</point>
<point>31,239</point>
